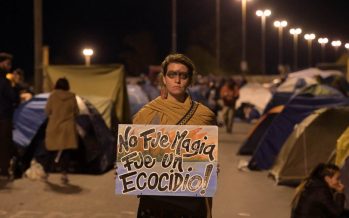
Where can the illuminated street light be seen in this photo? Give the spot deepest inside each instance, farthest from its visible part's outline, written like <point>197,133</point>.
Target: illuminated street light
<point>323,42</point>
<point>295,32</point>
<point>346,45</point>
<point>87,52</point>
<point>243,63</point>
<point>280,25</point>
<point>309,37</point>
<point>263,14</point>
<point>336,44</point>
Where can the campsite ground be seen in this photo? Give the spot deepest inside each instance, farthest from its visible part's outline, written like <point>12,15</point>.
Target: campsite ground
<point>239,193</point>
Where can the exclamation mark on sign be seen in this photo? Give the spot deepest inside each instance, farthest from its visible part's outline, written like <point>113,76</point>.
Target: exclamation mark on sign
<point>207,178</point>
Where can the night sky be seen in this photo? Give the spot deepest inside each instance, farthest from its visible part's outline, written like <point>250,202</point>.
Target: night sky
<point>138,33</point>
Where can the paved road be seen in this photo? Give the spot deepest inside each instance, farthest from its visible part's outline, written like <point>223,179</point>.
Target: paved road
<point>239,194</point>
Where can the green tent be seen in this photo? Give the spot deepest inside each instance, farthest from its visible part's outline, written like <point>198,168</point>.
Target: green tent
<point>102,85</point>
<point>342,148</point>
<point>311,142</point>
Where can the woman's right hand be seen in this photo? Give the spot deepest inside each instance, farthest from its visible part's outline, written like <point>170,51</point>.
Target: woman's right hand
<point>340,187</point>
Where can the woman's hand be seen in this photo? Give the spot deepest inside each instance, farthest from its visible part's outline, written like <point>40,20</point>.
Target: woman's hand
<point>340,187</point>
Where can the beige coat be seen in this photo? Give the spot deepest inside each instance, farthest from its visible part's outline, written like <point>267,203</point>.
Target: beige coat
<point>61,110</point>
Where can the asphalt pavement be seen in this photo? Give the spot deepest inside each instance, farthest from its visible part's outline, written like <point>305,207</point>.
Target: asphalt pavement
<point>240,193</point>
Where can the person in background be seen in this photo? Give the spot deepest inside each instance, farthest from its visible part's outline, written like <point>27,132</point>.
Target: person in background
<point>8,102</point>
<point>61,134</point>
<point>22,89</point>
<point>175,107</point>
<point>320,195</point>
<point>229,94</point>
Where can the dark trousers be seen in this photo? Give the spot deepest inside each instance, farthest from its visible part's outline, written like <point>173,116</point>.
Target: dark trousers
<point>6,146</point>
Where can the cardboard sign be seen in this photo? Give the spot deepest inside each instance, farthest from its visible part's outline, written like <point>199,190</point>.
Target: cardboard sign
<point>172,160</point>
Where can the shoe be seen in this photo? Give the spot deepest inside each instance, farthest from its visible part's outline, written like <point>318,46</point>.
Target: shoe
<point>64,179</point>
<point>44,178</point>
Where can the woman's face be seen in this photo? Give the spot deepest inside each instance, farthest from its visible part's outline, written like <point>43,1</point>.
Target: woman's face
<point>177,79</point>
<point>333,182</point>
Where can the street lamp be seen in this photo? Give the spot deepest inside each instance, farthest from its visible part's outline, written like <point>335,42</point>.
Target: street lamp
<point>263,14</point>
<point>87,52</point>
<point>323,42</point>
<point>346,45</point>
<point>336,44</point>
<point>309,37</point>
<point>280,25</point>
<point>295,32</point>
<point>243,63</point>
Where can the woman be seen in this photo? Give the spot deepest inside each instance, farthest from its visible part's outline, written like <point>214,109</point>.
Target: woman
<point>175,107</point>
<point>61,135</point>
<point>320,195</point>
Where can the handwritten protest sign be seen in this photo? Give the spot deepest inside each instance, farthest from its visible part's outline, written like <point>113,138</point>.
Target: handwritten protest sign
<point>171,160</point>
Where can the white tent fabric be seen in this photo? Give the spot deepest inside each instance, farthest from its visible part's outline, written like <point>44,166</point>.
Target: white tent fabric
<point>311,72</point>
<point>256,94</point>
<point>292,84</point>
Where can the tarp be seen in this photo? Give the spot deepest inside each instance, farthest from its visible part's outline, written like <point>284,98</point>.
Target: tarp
<point>312,142</point>
<point>102,85</point>
<point>342,148</point>
<point>295,111</point>
<point>255,94</point>
<point>96,140</point>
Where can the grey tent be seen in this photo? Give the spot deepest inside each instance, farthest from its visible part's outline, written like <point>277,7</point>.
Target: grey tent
<point>312,141</point>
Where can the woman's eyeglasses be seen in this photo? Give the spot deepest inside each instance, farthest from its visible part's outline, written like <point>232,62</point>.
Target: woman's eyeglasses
<point>173,74</point>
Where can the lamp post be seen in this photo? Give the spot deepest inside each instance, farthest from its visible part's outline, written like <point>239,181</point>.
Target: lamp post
<point>280,25</point>
<point>243,63</point>
<point>263,15</point>
<point>87,52</point>
<point>174,26</point>
<point>336,44</point>
<point>295,32</point>
<point>218,36</point>
<point>309,37</point>
<point>323,42</point>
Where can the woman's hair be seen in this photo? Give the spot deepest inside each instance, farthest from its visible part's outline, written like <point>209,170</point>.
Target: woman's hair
<point>318,173</point>
<point>5,56</point>
<point>178,58</point>
<point>62,84</point>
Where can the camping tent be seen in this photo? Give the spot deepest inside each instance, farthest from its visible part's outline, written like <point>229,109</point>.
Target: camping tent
<point>96,140</point>
<point>102,85</point>
<point>255,94</point>
<point>256,134</point>
<point>342,148</point>
<point>299,107</point>
<point>311,142</point>
<point>137,97</point>
<point>313,72</point>
<point>292,84</point>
